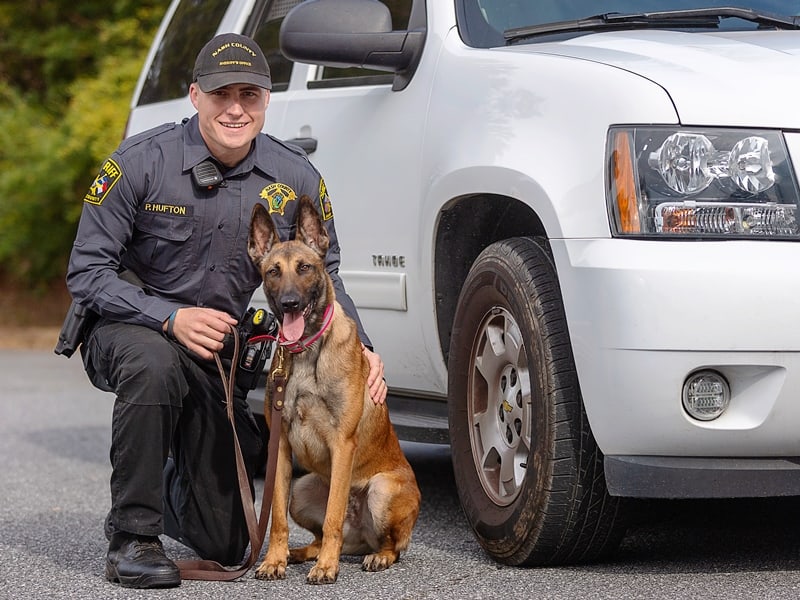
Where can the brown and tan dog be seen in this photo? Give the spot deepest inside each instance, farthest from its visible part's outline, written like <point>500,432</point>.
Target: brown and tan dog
<point>360,495</point>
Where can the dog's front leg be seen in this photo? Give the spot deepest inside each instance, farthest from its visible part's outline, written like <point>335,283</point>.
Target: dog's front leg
<point>326,570</point>
<point>274,564</point>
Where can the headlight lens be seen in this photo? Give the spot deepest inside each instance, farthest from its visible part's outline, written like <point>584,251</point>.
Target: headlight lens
<point>667,181</point>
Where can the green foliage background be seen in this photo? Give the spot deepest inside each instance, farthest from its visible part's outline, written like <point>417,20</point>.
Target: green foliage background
<point>66,79</point>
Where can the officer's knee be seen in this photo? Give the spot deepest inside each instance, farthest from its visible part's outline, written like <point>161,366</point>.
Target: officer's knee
<point>150,372</point>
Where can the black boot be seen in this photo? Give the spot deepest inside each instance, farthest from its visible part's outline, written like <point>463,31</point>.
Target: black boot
<point>137,561</point>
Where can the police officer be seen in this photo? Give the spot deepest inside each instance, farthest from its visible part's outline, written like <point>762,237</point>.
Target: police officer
<point>149,214</point>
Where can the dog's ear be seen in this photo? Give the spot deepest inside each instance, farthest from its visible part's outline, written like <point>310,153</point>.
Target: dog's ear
<point>310,229</point>
<point>262,235</point>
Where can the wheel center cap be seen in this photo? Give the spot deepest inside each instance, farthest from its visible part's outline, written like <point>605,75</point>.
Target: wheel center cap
<point>509,411</point>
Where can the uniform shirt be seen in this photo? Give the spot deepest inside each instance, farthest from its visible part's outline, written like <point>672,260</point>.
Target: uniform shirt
<point>187,244</point>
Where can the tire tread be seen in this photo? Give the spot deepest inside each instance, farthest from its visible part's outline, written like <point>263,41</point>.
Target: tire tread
<point>578,520</point>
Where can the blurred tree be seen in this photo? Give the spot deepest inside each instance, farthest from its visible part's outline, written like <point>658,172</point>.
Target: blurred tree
<point>66,79</point>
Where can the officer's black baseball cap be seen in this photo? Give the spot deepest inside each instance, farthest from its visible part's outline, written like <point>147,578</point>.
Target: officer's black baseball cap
<point>231,58</point>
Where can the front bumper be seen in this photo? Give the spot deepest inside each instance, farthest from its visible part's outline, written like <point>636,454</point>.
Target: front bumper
<point>687,477</point>
<point>643,315</point>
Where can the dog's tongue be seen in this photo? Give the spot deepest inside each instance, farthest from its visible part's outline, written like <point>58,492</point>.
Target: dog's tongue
<point>293,326</point>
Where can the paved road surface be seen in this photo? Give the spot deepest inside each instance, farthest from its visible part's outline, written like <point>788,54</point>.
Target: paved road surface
<point>54,432</point>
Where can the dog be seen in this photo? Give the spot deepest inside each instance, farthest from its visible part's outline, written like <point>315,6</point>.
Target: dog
<point>360,495</point>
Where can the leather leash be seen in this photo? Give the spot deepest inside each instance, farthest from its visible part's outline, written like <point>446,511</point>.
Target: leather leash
<point>210,570</point>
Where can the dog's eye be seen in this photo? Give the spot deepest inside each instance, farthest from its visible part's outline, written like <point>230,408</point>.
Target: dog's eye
<point>303,267</point>
<point>273,272</point>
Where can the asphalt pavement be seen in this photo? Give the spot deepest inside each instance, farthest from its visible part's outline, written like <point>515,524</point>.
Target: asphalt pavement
<point>54,437</point>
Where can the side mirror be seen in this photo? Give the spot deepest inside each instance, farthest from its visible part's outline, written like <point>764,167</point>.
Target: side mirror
<point>351,33</point>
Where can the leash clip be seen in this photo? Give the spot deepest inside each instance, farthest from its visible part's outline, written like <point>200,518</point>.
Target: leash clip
<point>278,370</point>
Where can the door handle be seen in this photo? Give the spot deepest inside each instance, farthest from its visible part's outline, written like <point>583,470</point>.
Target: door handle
<point>308,144</point>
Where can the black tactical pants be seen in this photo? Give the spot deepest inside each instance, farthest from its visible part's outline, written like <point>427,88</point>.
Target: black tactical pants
<point>172,455</point>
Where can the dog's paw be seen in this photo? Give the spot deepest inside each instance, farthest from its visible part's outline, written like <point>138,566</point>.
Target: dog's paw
<point>379,561</point>
<point>271,571</point>
<point>319,574</point>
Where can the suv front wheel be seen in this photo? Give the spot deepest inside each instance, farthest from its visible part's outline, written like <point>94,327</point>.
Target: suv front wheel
<point>529,474</point>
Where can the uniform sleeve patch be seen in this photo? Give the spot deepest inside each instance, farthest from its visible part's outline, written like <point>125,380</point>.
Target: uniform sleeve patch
<point>325,206</point>
<point>277,195</point>
<point>109,174</point>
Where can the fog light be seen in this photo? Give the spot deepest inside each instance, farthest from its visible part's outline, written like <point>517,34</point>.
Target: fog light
<point>706,395</point>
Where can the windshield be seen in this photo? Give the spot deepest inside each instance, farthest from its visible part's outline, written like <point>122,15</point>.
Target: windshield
<point>486,23</point>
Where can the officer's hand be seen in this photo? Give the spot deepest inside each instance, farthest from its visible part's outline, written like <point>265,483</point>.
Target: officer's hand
<point>201,330</point>
<point>375,381</point>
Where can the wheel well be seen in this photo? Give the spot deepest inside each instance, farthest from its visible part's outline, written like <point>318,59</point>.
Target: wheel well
<point>466,227</point>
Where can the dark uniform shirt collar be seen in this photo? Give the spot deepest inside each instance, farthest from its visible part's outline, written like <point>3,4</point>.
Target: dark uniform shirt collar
<point>195,151</point>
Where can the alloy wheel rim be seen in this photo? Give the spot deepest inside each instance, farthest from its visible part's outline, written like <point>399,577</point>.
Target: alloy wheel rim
<point>499,406</point>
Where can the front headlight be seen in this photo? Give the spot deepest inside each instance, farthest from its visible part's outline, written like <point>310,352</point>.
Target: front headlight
<point>672,181</point>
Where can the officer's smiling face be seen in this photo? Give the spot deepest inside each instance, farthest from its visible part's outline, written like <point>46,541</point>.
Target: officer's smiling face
<point>230,118</point>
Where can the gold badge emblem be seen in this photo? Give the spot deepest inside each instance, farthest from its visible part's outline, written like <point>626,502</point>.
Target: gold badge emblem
<point>277,195</point>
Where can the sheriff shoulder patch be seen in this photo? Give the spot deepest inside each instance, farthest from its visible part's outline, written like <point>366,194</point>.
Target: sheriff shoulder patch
<point>109,174</point>
<point>277,195</point>
<point>325,201</point>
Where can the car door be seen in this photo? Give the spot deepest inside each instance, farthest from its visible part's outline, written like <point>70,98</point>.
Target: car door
<point>366,141</point>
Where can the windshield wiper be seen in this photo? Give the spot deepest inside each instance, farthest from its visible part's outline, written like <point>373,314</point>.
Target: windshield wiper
<point>697,17</point>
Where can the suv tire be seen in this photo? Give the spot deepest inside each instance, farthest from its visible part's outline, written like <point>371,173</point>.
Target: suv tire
<point>528,471</point>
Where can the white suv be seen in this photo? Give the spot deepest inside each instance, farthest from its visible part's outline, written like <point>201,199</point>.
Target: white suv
<point>570,228</point>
